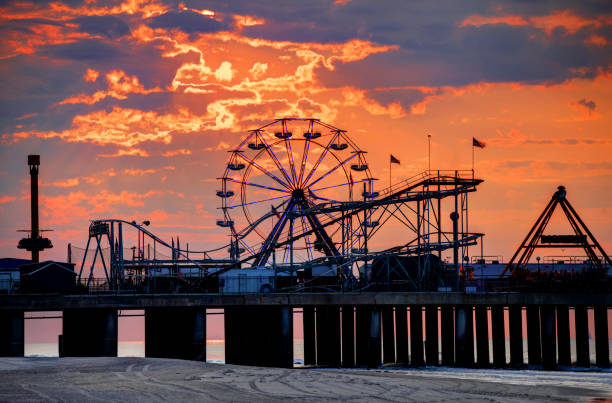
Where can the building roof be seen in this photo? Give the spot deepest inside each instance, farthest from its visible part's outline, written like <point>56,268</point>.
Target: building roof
<point>37,267</point>
<point>12,264</point>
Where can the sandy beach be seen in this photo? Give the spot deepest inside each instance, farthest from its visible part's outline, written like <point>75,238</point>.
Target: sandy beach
<point>150,379</point>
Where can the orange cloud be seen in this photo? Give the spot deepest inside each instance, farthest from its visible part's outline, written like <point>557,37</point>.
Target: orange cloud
<point>6,199</point>
<point>514,137</point>
<point>247,21</point>
<point>119,86</point>
<point>63,209</point>
<point>596,40</point>
<point>355,97</point>
<point>125,127</point>
<point>58,11</point>
<point>566,19</point>
<point>140,172</point>
<point>258,70</point>
<point>132,152</point>
<point>68,183</point>
<point>90,75</point>
<point>174,153</point>
<point>480,20</point>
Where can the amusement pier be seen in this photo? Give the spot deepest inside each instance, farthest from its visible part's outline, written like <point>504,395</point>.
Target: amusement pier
<point>380,274</point>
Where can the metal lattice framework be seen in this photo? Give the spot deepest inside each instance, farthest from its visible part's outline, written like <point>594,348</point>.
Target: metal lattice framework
<point>280,168</point>
<point>298,194</point>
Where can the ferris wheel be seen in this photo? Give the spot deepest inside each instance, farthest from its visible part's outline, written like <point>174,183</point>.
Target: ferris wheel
<point>276,176</point>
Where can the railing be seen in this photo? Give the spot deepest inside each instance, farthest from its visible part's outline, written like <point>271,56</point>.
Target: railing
<point>592,280</point>
<point>421,177</point>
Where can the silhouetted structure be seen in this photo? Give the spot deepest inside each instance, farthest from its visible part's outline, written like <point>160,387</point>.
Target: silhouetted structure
<point>35,243</point>
<point>47,276</point>
<point>582,238</point>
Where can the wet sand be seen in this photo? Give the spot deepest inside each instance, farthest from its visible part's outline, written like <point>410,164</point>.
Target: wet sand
<point>150,379</point>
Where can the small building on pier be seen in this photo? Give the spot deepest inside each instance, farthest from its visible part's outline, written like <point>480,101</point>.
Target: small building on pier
<point>48,276</point>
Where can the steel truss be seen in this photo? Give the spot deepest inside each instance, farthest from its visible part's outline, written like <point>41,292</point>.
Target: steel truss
<point>137,264</point>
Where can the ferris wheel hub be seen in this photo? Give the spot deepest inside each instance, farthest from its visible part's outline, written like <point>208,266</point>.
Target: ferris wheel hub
<point>298,193</point>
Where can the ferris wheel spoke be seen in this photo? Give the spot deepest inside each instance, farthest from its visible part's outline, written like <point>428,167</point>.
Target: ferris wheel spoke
<point>305,152</point>
<point>321,157</point>
<point>341,164</point>
<point>257,201</point>
<point>251,251</point>
<point>264,170</point>
<point>275,158</point>
<point>290,157</point>
<point>256,185</point>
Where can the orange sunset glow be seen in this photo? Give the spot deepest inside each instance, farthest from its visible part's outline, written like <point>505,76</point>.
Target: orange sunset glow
<point>133,105</point>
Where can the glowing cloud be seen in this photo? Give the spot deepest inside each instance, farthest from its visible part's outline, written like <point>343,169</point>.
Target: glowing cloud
<point>90,75</point>
<point>119,86</point>
<point>564,19</point>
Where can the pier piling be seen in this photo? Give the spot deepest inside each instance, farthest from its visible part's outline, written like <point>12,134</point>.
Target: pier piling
<point>11,333</point>
<point>447,328</point>
<point>498,333</point>
<point>401,335</point>
<point>464,336</point>
<point>534,348</point>
<point>563,336</point>
<point>388,334</point>
<point>582,336</point>
<point>602,349</point>
<point>89,332</point>
<point>348,336</point>
<point>416,336</point>
<point>310,345</point>
<point>431,335</point>
<point>175,333</point>
<point>549,337</point>
<point>328,336</point>
<point>515,325</point>
<point>259,335</point>
<point>482,336</point>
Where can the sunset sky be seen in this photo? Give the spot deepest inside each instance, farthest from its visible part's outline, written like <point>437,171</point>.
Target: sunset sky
<point>133,105</point>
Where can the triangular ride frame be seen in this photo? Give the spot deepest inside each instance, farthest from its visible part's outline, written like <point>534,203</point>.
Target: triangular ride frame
<point>583,238</point>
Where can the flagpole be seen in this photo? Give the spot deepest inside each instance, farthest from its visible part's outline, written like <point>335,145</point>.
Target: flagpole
<point>472,157</point>
<point>429,152</point>
<point>390,173</point>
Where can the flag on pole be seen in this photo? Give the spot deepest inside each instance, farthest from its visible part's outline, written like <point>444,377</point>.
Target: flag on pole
<point>477,143</point>
<point>394,160</point>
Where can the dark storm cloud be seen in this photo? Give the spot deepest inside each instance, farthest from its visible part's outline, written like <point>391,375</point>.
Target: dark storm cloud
<point>86,49</point>
<point>109,26</point>
<point>434,48</point>
<point>188,22</point>
<point>492,53</point>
